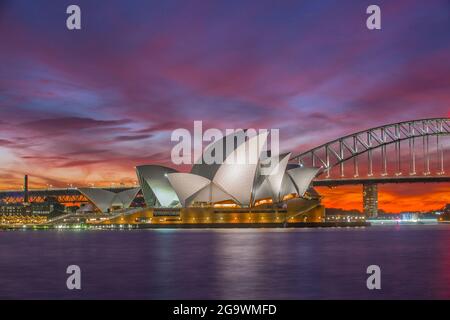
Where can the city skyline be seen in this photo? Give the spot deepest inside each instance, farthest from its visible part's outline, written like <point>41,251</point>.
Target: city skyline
<point>88,106</point>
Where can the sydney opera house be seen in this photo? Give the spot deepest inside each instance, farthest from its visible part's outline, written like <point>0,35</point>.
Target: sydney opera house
<point>233,190</point>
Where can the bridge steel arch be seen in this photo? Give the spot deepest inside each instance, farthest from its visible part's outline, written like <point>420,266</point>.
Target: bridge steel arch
<point>337,152</point>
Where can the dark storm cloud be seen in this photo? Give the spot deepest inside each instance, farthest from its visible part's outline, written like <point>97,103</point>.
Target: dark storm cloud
<point>132,138</point>
<point>71,124</point>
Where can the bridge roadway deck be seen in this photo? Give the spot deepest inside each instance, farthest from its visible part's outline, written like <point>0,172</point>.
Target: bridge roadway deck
<point>332,182</point>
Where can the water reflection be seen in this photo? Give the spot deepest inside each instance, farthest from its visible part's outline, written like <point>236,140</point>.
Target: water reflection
<point>228,264</point>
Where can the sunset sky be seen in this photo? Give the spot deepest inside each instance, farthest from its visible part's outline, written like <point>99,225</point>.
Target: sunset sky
<point>87,106</point>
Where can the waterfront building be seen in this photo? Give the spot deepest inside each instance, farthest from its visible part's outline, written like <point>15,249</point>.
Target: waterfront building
<point>29,213</point>
<point>370,200</point>
<point>228,184</point>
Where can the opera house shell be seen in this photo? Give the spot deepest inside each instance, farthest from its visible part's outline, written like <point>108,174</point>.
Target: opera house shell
<point>229,183</point>
<point>105,200</point>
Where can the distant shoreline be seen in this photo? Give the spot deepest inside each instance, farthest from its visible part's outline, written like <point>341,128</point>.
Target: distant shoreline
<point>192,226</point>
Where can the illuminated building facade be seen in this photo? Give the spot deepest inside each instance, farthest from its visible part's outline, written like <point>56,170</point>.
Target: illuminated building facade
<point>231,183</point>
<point>370,200</point>
<point>29,213</point>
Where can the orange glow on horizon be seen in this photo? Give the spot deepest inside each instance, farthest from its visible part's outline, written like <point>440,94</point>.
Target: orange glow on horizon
<point>391,197</point>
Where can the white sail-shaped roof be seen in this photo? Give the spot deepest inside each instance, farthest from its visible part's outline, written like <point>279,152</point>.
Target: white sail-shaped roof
<point>211,193</point>
<point>269,177</point>
<point>287,186</point>
<point>104,200</point>
<point>236,176</point>
<point>155,183</point>
<point>186,184</point>
<point>276,176</point>
<point>208,170</point>
<point>125,198</point>
<point>262,191</point>
<point>100,198</point>
<point>244,176</point>
<point>302,177</point>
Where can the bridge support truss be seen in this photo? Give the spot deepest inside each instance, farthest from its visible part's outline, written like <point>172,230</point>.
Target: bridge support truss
<point>401,135</point>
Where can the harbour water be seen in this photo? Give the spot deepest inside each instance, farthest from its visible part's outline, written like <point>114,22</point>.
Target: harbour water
<point>316,263</point>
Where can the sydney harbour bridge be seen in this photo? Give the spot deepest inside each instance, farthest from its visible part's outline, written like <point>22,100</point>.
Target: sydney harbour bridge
<point>403,152</point>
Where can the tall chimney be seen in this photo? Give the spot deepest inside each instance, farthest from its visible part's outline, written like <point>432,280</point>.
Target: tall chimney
<point>25,189</point>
